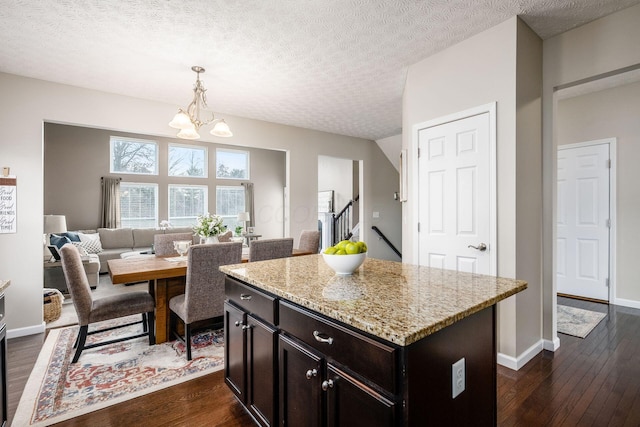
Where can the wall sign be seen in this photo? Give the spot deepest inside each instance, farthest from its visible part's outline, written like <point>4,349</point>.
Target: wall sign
<point>8,217</point>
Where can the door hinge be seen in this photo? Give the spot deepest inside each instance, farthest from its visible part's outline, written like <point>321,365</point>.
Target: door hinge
<point>418,227</point>
<point>606,282</point>
<point>608,223</point>
<point>608,163</point>
<point>418,152</point>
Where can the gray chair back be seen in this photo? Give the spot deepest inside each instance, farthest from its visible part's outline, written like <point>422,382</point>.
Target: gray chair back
<point>261,250</point>
<point>309,241</point>
<point>225,237</point>
<point>77,282</point>
<point>204,288</point>
<point>163,243</point>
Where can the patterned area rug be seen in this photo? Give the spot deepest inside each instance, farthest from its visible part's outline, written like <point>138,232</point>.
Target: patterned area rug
<point>58,390</point>
<point>576,321</point>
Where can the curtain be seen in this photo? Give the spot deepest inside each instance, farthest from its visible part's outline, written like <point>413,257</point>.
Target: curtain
<point>110,203</point>
<point>248,202</point>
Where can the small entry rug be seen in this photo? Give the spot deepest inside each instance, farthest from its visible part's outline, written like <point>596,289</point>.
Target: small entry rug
<point>58,390</point>
<point>577,321</point>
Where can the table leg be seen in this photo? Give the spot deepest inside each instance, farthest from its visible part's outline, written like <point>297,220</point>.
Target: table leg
<point>162,309</point>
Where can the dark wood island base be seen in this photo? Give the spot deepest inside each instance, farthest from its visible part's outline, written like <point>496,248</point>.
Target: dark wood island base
<point>291,365</point>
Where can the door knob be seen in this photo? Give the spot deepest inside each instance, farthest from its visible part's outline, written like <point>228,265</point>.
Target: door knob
<point>481,247</point>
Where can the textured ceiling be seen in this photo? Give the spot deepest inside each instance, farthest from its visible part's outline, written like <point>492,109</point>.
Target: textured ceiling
<point>332,65</point>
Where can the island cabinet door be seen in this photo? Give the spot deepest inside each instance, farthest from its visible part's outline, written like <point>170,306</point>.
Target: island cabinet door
<point>351,403</point>
<point>301,398</point>
<point>262,384</point>
<point>235,361</point>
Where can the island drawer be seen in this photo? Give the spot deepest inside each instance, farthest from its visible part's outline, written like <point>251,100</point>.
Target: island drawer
<point>251,300</point>
<point>368,358</point>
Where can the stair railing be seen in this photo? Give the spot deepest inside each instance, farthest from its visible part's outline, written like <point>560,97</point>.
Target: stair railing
<point>387,241</point>
<point>342,222</point>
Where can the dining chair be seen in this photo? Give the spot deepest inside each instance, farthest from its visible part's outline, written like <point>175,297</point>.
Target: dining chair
<point>309,241</point>
<point>225,237</point>
<point>90,310</point>
<point>203,297</point>
<point>261,250</point>
<point>163,243</point>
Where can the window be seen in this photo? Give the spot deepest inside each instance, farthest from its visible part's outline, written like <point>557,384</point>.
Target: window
<point>185,160</point>
<point>229,202</point>
<point>232,164</point>
<point>135,156</point>
<point>138,205</point>
<point>186,202</point>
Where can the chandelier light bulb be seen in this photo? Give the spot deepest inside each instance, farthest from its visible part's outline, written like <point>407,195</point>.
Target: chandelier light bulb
<point>188,133</point>
<point>221,129</point>
<point>181,121</point>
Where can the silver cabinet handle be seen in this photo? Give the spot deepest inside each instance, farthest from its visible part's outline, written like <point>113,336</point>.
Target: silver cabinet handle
<point>326,385</point>
<point>481,247</point>
<point>238,323</point>
<point>245,297</point>
<point>245,327</point>
<point>320,338</point>
<point>311,373</point>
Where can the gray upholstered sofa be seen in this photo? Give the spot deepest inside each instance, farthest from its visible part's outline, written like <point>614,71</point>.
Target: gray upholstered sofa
<point>116,241</point>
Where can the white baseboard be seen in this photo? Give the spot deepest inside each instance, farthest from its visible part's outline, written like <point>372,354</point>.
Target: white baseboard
<point>551,345</point>
<point>517,363</point>
<point>29,330</point>
<point>627,303</point>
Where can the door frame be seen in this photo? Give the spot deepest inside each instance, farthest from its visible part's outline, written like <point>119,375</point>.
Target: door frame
<point>611,142</point>
<point>489,108</point>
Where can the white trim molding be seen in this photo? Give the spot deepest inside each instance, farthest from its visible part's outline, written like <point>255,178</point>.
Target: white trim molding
<point>517,363</point>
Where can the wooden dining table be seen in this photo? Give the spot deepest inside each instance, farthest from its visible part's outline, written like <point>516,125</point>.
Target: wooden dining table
<point>166,280</point>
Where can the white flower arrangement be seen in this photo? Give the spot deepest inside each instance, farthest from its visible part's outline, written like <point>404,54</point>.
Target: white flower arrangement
<point>209,225</point>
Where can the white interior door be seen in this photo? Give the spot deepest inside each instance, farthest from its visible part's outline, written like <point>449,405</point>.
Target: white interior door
<point>454,168</point>
<point>583,222</point>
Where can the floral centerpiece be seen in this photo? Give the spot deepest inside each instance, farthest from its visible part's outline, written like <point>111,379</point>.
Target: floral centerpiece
<point>209,226</point>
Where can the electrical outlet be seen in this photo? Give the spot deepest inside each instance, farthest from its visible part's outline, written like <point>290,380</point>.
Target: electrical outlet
<point>457,378</point>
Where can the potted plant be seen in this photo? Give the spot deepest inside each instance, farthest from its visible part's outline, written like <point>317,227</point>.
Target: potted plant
<point>239,230</point>
<point>208,227</point>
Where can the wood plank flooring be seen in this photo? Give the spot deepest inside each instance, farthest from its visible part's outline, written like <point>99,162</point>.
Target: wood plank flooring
<point>587,382</point>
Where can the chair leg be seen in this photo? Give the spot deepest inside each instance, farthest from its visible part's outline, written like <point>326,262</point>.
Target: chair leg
<point>187,336</point>
<point>144,322</point>
<point>82,338</point>
<point>150,327</point>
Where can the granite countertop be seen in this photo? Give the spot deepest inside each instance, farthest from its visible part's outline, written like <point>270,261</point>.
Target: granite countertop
<point>400,303</point>
<point>4,284</point>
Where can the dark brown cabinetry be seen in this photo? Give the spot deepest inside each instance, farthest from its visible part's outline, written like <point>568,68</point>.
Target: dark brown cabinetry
<point>316,393</point>
<point>3,365</point>
<point>292,366</point>
<point>251,349</point>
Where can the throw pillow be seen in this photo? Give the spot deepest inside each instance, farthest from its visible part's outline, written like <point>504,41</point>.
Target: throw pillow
<point>71,235</point>
<point>91,242</point>
<point>81,249</point>
<point>59,241</point>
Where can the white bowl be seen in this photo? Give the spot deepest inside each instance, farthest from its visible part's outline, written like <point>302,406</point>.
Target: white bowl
<point>344,264</point>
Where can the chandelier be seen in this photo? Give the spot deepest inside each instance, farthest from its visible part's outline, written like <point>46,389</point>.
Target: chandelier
<point>188,121</point>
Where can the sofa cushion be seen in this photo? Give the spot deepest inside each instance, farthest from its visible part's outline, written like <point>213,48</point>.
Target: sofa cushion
<point>58,241</point>
<point>116,238</point>
<point>143,237</point>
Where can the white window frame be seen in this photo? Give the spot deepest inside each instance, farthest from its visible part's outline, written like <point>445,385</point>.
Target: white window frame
<point>205,166</point>
<point>143,184</point>
<point>113,139</point>
<point>232,219</point>
<point>247,163</point>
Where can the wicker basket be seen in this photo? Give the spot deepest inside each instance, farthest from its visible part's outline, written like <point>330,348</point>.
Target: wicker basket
<point>52,304</point>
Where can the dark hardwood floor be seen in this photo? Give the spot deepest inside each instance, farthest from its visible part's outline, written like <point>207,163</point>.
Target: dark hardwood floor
<point>587,382</point>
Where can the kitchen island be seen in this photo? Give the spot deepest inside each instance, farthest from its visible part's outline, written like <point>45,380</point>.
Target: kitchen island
<point>393,344</point>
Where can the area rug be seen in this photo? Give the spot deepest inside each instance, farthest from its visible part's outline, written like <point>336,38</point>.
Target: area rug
<point>58,390</point>
<point>576,321</point>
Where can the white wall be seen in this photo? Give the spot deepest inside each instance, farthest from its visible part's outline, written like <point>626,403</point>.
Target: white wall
<point>604,45</point>
<point>614,113</point>
<point>27,103</point>
<point>502,65</point>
